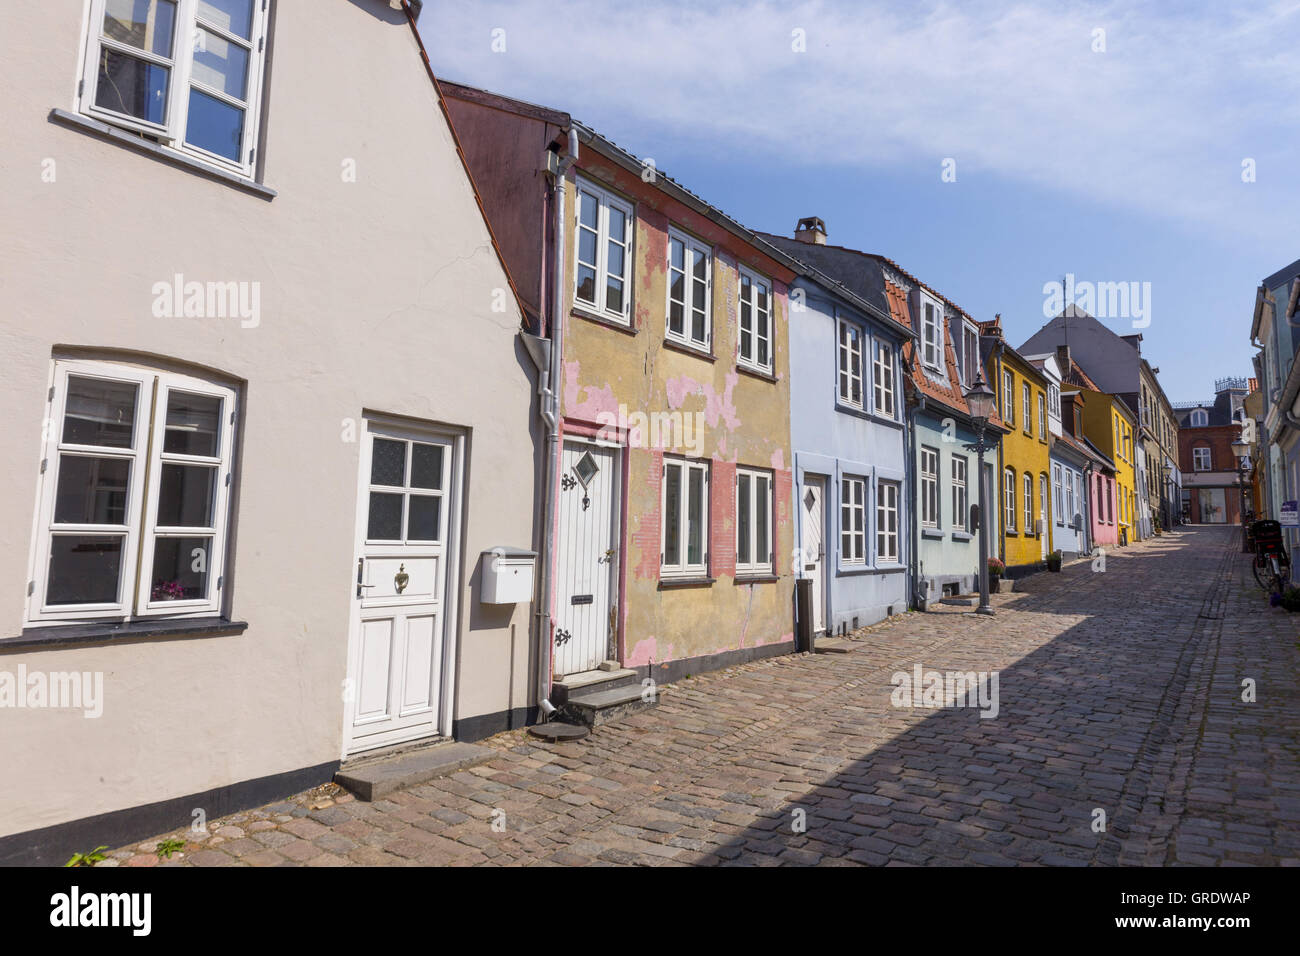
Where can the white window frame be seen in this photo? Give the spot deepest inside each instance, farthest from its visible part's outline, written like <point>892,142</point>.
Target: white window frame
<point>684,567</point>
<point>139,530</point>
<point>1073,493</point>
<point>1054,401</point>
<point>1058,493</point>
<point>171,132</point>
<point>751,360</point>
<point>931,332</point>
<point>1009,499</point>
<point>887,522</point>
<point>1008,398</point>
<point>690,247</point>
<point>929,487</point>
<point>849,369</point>
<point>1202,458</point>
<point>1027,490</point>
<point>1026,408</point>
<point>853,520</point>
<point>1199,418</point>
<point>1042,417</point>
<point>759,564</point>
<point>882,379</point>
<point>960,494</point>
<point>969,353</point>
<point>605,200</point>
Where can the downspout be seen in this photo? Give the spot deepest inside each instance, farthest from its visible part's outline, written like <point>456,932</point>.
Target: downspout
<point>550,413</point>
<point>914,521</point>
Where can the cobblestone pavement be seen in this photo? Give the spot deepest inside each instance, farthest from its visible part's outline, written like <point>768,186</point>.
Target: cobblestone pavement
<point>1118,692</point>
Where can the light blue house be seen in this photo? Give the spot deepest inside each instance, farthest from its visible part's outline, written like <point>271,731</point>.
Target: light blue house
<point>847,430</point>
<point>1070,463</point>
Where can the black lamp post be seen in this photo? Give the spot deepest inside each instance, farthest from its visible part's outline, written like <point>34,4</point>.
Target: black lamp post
<point>980,399</point>
<point>1166,497</point>
<point>1242,450</point>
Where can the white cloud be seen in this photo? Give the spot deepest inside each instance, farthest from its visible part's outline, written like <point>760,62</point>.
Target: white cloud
<point>1159,122</point>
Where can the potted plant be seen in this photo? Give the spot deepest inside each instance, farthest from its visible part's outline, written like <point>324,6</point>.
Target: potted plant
<point>167,591</point>
<point>1290,598</point>
<point>1054,562</point>
<point>996,568</point>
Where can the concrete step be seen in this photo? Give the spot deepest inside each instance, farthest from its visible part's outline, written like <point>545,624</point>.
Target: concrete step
<point>574,684</point>
<point>602,705</point>
<point>376,778</point>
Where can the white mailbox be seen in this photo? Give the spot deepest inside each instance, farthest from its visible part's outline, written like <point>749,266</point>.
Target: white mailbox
<point>508,575</point>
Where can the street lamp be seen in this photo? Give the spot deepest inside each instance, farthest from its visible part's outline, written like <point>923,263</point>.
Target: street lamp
<point>980,399</point>
<point>1241,449</point>
<point>1166,497</point>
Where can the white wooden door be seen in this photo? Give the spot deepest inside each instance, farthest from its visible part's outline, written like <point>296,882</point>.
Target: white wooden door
<point>397,643</point>
<point>1042,517</point>
<point>586,556</point>
<point>813,546</point>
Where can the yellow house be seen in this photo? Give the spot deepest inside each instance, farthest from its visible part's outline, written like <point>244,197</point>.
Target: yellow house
<point>1023,465</point>
<point>1111,427</point>
<point>1124,427</point>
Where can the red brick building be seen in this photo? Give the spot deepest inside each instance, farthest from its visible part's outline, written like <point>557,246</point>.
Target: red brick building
<point>1211,486</point>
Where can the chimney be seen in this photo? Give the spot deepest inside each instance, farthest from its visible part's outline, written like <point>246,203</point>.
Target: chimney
<point>811,230</point>
<point>1063,360</point>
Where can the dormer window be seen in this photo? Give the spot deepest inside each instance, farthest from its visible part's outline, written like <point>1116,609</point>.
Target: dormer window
<point>1200,418</point>
<point>931,332</point>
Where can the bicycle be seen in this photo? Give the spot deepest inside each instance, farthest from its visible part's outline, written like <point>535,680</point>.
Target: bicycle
<point>1272,564</point>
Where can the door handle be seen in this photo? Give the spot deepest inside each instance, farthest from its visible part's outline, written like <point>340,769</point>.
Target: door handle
<point>361,562</point>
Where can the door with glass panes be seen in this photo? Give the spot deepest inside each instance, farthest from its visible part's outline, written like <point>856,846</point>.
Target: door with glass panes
<point>402,579</point>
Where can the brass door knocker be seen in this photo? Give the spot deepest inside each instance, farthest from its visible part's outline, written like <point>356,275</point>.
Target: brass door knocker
<point>401,578</point>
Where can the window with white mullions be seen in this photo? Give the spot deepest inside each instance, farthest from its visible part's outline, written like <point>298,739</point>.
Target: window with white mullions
<point>755,347</point>
<point>883,379</point>
<point>850,353</point>
<point>960,499</point>
<point>408,480</point>
<point>1029,503</point>
<point>689,282</point>
<point>684,526</point>
<point>931,333</point>
<point>929,487</point>
<point>1057,503</point>
<point>188,72</point>
<point>1009,499</point>
<point>853,532</point>
<point>753,521</point>
<point>1009,399</point>
<point>887,522</point>
<point>604,253</point>
<point>135,491</point>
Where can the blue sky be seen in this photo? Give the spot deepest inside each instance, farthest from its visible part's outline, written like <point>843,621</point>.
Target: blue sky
<point>1115,156</point>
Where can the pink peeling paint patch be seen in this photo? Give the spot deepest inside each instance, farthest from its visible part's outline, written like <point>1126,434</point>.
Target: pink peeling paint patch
<point>593,403</point>
<point>716,407</point>
<point>644,653</point>
<point>778,460</point>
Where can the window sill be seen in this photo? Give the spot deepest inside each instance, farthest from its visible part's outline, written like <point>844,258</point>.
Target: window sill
<point>932,532</point>
<point>610,323</point>
<point>118,633</point>
<point>756,373</point>
<point>669,584</point>
<point>962,536</point>
<point>685,349</point>
<point>759,577</point>
<point>1011,534</point>
<point>856,412</point>
<point>142,144</point>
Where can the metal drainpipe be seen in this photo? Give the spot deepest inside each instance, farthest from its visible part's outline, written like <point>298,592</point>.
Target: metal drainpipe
<point>914,520</point>
<point>551,415</point>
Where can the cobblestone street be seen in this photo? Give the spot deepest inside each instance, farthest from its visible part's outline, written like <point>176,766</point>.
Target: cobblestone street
<point>1118,692</point>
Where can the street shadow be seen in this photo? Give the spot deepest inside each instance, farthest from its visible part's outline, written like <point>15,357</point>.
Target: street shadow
<point>1081,727</point>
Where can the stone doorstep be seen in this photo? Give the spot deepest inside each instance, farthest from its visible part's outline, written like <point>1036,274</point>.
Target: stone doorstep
<point>374,779</point>
<point>833,645</point>
<point>616,677</point>
<point>599,706</point>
